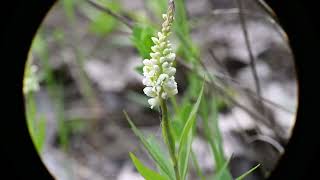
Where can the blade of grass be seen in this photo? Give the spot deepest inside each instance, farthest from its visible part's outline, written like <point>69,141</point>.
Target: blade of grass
<point>186,138</point>
<point>219,175</point>
<point>247,173</point>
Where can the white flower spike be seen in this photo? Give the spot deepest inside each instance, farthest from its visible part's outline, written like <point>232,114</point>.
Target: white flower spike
<point>159,71</point>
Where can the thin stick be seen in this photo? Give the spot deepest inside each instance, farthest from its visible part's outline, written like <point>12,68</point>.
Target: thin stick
<point>252,61</point>
<point>246,12</point>
<point>269,140</point>
<point>249,48</point>
<point>221,91</point>
<point>233,81</point>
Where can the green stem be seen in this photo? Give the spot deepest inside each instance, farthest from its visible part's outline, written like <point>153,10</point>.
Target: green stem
<point>168,137</point>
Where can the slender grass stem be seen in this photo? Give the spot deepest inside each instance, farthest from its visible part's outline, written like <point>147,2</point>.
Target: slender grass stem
<point>168,137</point>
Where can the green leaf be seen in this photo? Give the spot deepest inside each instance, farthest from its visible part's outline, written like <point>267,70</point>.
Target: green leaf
<point>186,138</point>
<point>181,21</point>
<point>153,142</point>
<point>247,173</point>
<point>68,6</point>
<point>147,173</point>
<point>40,133</point>
<point>188,50</point>
<point>213,135</point>
<point>217,142</point>
<point>220,174</point>
<point>180,119</point>
<point>141,39</point>
<point>103,23</point>
<point>154,152</point>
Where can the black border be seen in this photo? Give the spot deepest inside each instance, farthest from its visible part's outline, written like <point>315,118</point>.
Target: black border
<point>299,20</point>
<point>20,23</point>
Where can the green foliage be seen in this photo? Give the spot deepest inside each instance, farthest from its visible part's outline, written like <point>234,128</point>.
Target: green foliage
<point>180,118</point>
<point>36,126</point>
<point>155,153</point>
<point>102,24</point>
<point>220,173</point>
<point>247,173</point>
<point>186,138</point>
<point>63,130</point>
<point>54,87</point>
<point>187,49</point>
<point>159,7</point>
<point>209,116</point>
<point>147,173</point>
<point>139,69</point>
<point>141,39</point>
<point>153,143</point>
<point>181,21</point>
<point>69,6</point>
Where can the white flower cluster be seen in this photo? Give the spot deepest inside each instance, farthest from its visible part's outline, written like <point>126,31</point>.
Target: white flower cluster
<point>30,82</point>
<point>158,71</point>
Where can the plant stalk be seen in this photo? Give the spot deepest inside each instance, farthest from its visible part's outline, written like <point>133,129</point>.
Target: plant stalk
<point>169,140</point>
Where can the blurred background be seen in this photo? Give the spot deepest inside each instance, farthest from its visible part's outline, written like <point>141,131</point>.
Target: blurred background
<point>84,69</point>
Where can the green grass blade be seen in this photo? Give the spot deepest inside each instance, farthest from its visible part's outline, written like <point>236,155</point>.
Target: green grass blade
<point>41,134</point>
<point>156,155</point>
<point>220,174</point>
<point>186,138</point>
<point>247,173</point>
<point>147,173</point>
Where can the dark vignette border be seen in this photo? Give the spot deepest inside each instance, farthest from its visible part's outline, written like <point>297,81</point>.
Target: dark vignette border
<point>20,23</point>
<point>298,18</point>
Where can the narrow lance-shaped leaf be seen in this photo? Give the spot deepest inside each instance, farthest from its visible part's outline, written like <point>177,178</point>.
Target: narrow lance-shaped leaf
<point>220,174</point>
<point>153,142</point>
<point>147,173</point>
<point>162,162</point>
<point>186,138</point>
<point>247,173</point>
